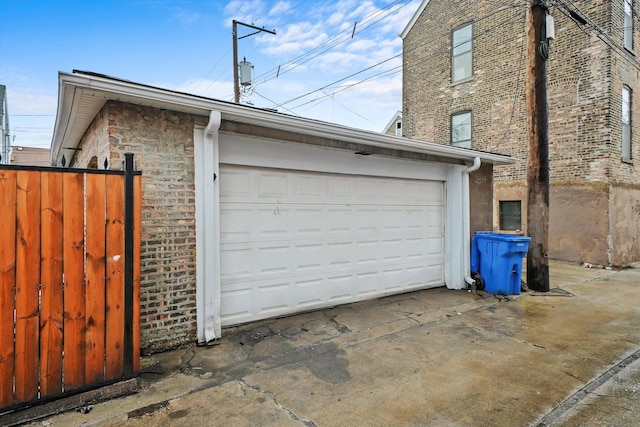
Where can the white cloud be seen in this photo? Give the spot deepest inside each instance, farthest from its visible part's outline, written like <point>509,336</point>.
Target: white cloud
<point>27,101</point>
<point>280,8</point>
<point>247,11</point>
<point>296,38</point>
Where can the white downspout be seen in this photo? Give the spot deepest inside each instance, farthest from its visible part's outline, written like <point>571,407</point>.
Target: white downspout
<point>466,220</point>
<point>207,230</point>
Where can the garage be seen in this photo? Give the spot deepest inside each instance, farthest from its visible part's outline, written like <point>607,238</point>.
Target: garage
<point>250,213</point>
<point>298,240</point>
<point>296,226</point>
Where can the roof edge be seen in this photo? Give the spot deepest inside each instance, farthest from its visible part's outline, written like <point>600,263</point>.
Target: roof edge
<point>414,18</point>
<point>71,87</point>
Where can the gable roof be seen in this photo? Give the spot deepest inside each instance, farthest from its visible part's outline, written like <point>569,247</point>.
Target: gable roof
<point>82,95</point>
<point>392,123</point>
<point>414,18</point>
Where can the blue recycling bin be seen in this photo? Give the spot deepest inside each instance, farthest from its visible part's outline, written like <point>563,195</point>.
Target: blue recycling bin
<point>498,259</point>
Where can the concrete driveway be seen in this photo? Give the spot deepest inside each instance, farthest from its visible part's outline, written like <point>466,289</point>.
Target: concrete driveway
<point>431,358</point>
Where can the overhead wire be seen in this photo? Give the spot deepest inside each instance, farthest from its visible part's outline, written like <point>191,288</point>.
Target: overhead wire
<point>606,38</point>
<point>559,4</point>
<point>516,95</point>
<point>433,54</point>
<point>275,103</point>
<point>340,38</point>
<point>566,7</point>
<point>330,47</point>
<point>366,19</point>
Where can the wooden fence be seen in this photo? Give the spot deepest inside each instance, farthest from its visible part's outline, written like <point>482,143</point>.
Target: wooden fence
<point>69,281</point>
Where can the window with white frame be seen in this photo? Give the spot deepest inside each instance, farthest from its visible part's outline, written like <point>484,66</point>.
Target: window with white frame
<point>461,129</point>
<point>626,123</point>
<point>462,53</point>
<point>399,128</point>
<point>628,24</point>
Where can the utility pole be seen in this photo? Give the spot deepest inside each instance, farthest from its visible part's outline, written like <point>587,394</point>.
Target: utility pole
<point>538,138</point>
<point>234,32</point>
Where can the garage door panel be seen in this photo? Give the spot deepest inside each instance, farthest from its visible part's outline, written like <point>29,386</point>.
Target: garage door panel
<point>293,240</point>
<point>339,254</point>
<point>338,220</point>
<point>272,260</point>
<point>270,298</point>
<point>308,222</point>
<point>235,263</point>
<point>273,185</point>
<point>338,189</point>
<point>309,257</point>
<point>237,185</point>
<point>307,188</point>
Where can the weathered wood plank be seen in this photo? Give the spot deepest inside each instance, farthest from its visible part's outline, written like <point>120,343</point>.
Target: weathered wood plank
<point>7,285</point>
<point>95,286</point>
<point>27,285</point>
<point>74,287</point>
<point>115,277</point>
<point>51,332</point>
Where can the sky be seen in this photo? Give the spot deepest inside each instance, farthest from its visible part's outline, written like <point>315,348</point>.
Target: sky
<point>334,60</point>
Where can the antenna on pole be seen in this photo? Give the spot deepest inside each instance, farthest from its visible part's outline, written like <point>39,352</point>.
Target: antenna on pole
<point>246,65</point>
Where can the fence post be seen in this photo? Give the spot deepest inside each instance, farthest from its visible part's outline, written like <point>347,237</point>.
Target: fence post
<point>128,264</point>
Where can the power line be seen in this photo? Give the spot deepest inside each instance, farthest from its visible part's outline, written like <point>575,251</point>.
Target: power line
<point>336,40</point>
<point>603,36</point>
<point>572,12</point>
<point>274,102</point>
<point>343,88</point>
<point>432,54</point>
<point>341,80</point>
<point>516,94</point>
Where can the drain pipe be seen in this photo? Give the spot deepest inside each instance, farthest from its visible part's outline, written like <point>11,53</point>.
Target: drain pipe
<point>466,219</point>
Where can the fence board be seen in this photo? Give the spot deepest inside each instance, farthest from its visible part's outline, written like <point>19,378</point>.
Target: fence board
<point>62,282</point>
<point>51,333</point>
<point>95,283</point>
<point>74,307</point>
<point>27,285</point>
<point>115,278</point>
<point>7,283</point>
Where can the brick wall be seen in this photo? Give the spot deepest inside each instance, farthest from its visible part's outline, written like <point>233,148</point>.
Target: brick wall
<point>162,142</point>
<point>95,144</point>
<point>585,80</point>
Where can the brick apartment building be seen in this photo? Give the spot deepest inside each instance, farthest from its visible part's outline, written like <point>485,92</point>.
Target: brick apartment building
<point>463,77</point>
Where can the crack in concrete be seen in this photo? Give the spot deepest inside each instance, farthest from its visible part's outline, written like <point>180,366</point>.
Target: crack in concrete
<point>343,329</point>
<point>242,383</point>
<point>306,423</point>
<point>585,391</point>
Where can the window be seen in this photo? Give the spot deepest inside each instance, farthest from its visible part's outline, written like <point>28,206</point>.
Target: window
<point>510,215</point>
<point>628,24</point>
<point>398,128</point>
<point>626,123</point>
<point>461,53</point>
<point>461,129</point>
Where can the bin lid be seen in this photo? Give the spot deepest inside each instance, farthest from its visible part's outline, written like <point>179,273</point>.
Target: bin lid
<point>502,237</point>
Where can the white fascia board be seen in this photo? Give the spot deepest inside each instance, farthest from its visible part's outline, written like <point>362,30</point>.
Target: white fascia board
<point>414,18</point>
<point>65,101</point>
<point>75,85</point>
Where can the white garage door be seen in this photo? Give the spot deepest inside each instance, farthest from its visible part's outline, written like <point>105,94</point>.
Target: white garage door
<point>293,241</point>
